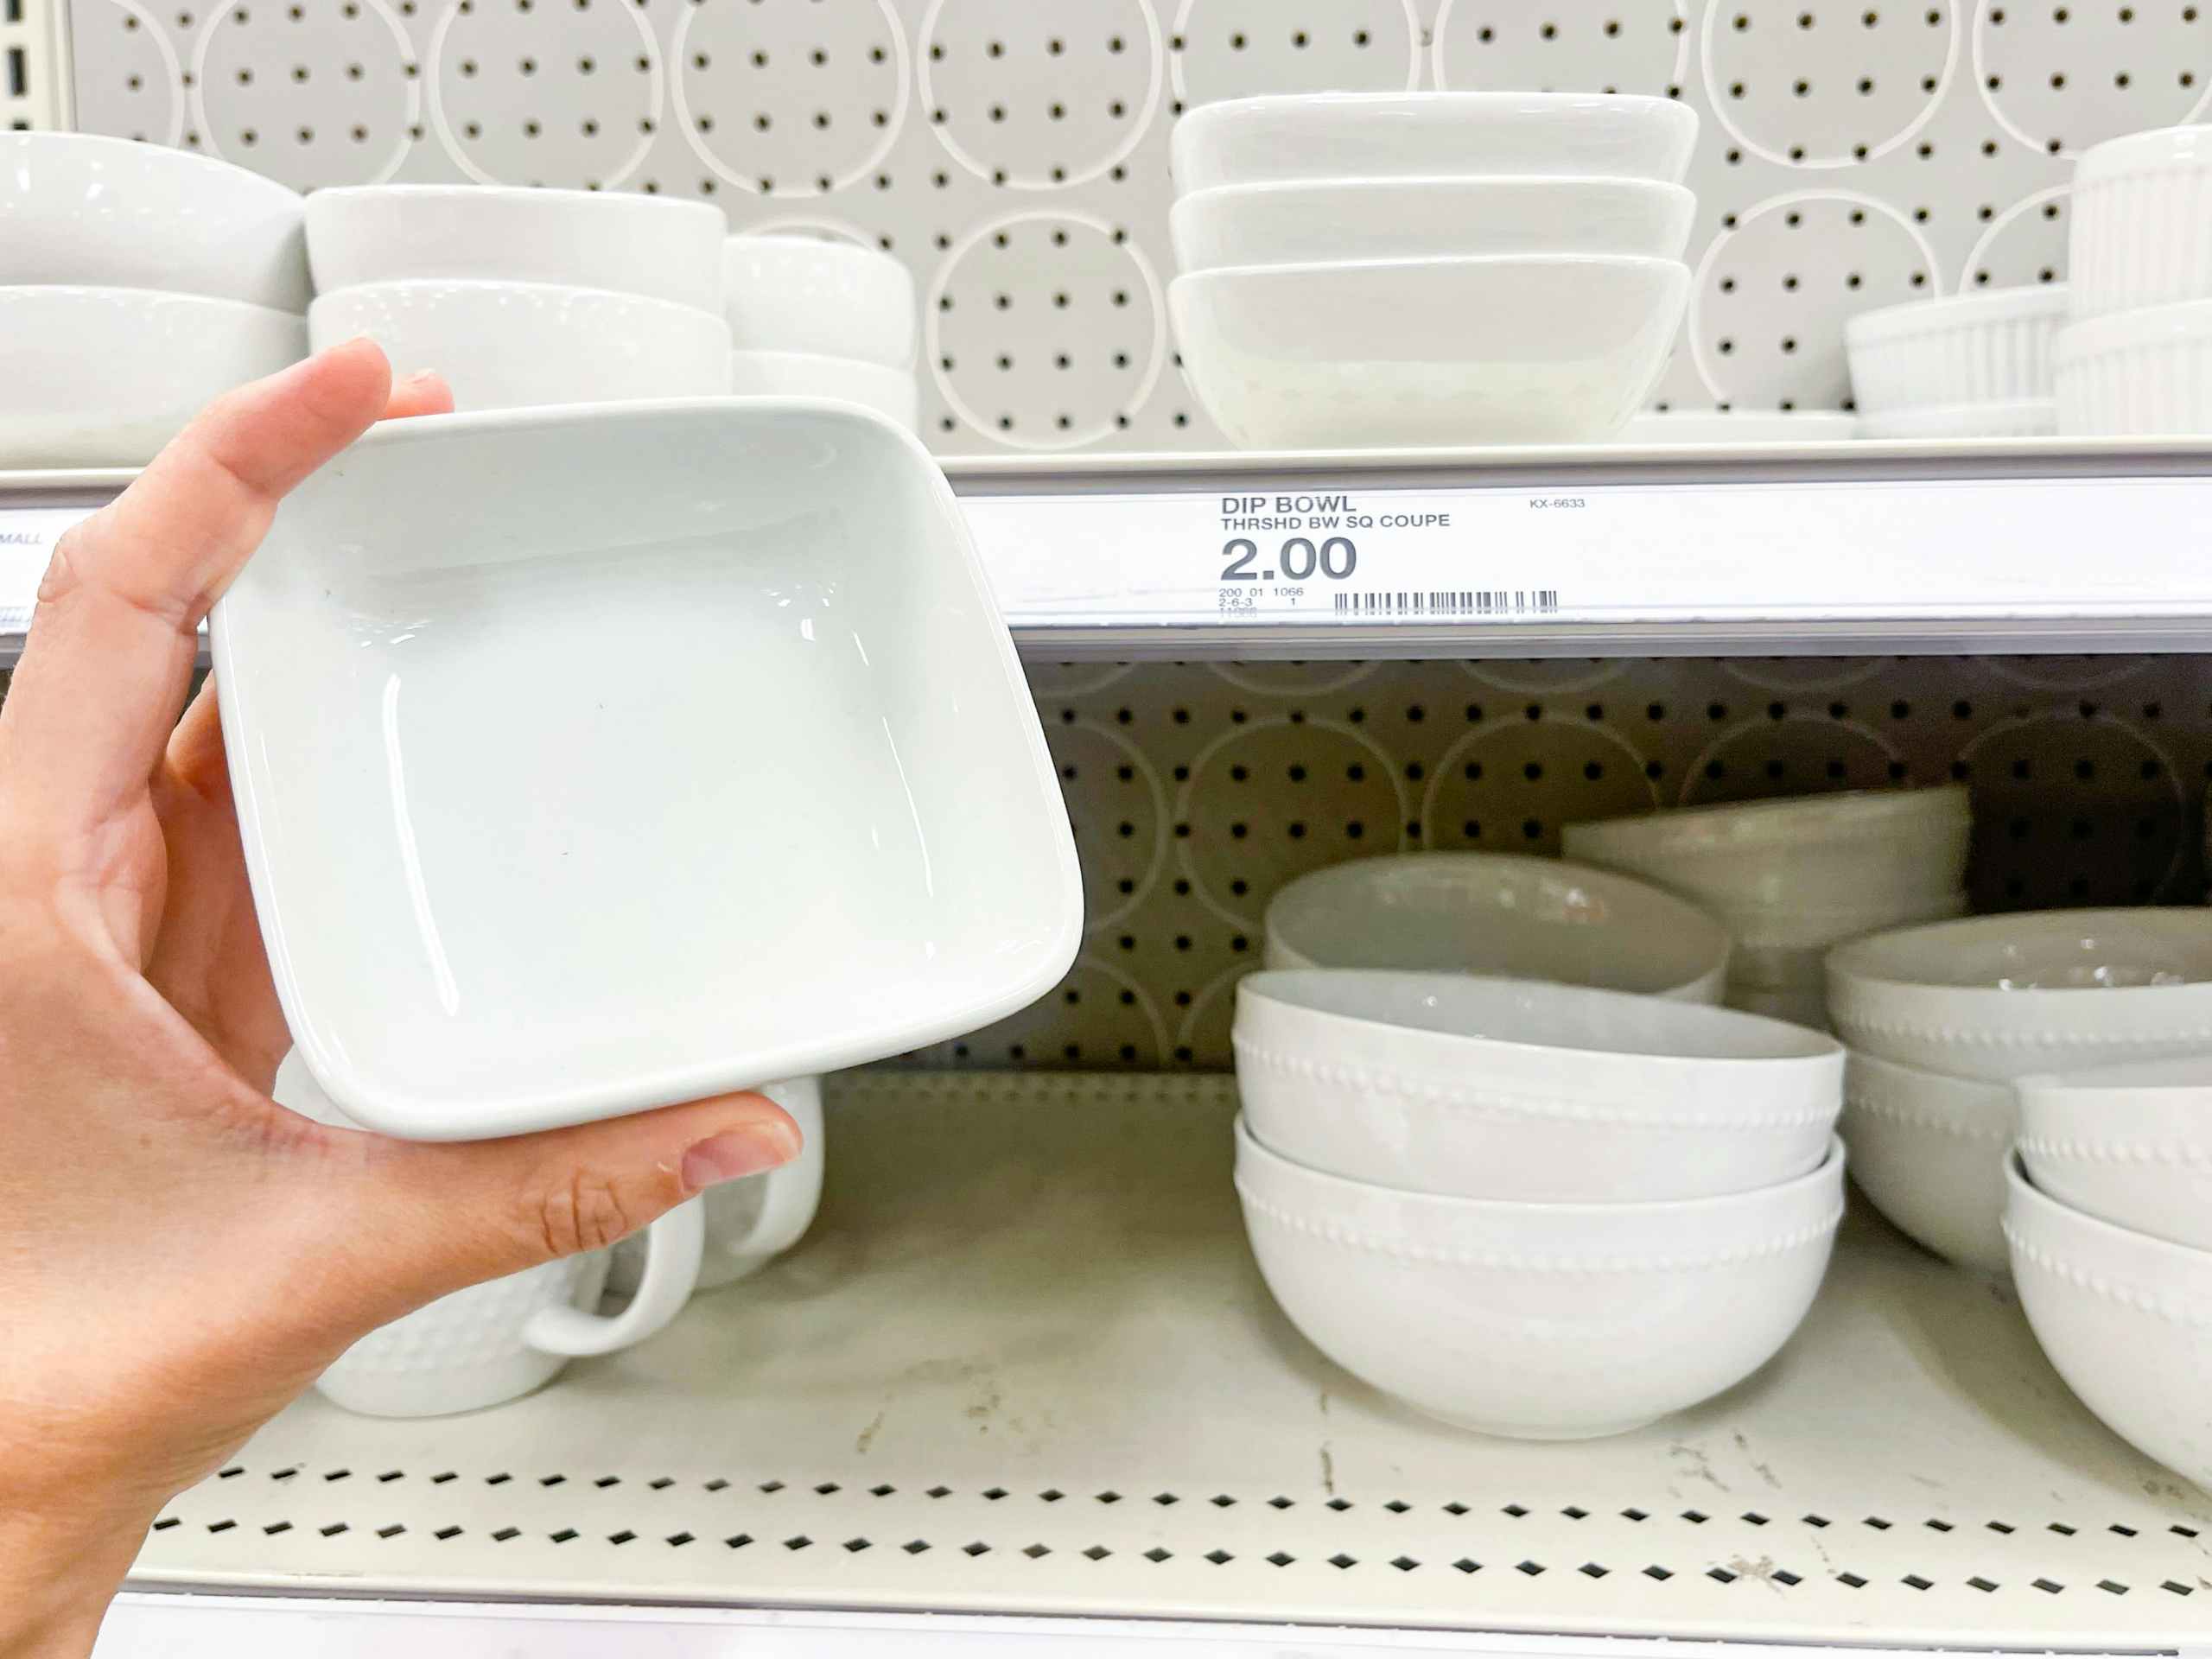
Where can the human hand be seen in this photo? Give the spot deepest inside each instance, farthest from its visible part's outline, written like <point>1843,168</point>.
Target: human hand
<point>179,1256</point>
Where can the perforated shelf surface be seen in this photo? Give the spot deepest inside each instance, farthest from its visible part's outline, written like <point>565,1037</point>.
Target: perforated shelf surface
<point>1024,1363</point>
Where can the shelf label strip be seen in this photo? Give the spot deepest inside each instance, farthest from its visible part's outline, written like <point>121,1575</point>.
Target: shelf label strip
<point>26,539</point>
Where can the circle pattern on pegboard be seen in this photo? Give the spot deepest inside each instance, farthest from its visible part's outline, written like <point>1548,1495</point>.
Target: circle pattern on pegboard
<point>1119,1025</point>
<point>1046,330</point>
<point>1118,807</point>
<point>1773,291</point>
<point>508,78</point>
<point>1511,786</point>
<point>1805,673</point>
<point>1240,48</point>
<point>143,75</point>
<point>2065,672</point>
<point>1793,754</point>
<point>1293,679</point>
<point>2073,808</point>
<point>1539,677</point>
<point>1851,89</point>
<point>1569,46</point>
<point>2024,245</point>
<point>1271,799</point>
<point>305,97</point>
<point>1017,102</point>
<point>790,98</point>
<point>1202,1035</point>
<point>2053,88</point>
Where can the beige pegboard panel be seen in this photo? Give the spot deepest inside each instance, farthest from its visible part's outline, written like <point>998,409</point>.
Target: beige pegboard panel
<point>1198,790</point>
<point>34,65</point>
<point>1014,151</point>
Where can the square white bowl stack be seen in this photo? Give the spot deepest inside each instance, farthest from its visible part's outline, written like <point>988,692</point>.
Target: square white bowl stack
<point>2136,357</point>
<point>1417,270</point>
<point>136,282</point>
<point>1973,366</point>
<point>812,317</point>
<point>525,296</point>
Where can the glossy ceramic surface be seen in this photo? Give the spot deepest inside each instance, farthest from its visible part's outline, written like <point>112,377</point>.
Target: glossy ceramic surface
<point>1418,135</point>
<point>1427,353</point>
<point>2126,1318</point>
<point>2130,1144</point>
<point>1929,1150</point>
<point>2137,372</point>
<point>892,394</point>
<point>799,816</point>
<point>2139,230</point>
<point>1539,1321</point>
<point>656,246</point>
<point>1992,345</point>
<point>2002,997</point>
<point>1518,1090</point>
<point>513,345</point>
<point>803,294</point>
<point>1305,222</point>
<point>104,377</point>
<point>1500,914</point>
<point>2026,418</point>
<point>106,213</point>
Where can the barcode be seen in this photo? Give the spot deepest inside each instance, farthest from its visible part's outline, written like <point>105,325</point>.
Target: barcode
<point>1461,602</point>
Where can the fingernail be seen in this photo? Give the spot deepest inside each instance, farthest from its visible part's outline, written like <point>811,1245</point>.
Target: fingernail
<point>421,376</point>
<point>735,1153</point>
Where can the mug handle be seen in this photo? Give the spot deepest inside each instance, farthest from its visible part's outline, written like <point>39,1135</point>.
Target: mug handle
<point>673,1246</point>
<point>790,1194</point>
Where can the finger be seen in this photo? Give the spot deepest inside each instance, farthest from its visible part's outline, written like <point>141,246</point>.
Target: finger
<point>109,658</point>
<point>425,393</point>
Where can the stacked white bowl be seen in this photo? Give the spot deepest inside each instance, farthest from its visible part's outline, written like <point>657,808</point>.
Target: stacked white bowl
<point>2136,356</point>
<point>1974,365</point>
<point>136,282</point>
<point>525,296</point>
<point>815,318</point>
<point>1942,1021</point>
<point>2109,1219</point>
<point>1406,269</point>
<point>1788,879</point>
<point>1533,1210</point>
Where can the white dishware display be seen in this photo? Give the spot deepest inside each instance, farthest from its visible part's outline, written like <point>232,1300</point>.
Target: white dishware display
<point>1431,135</point>
<point>892,394</point>
<point>1992,345</point>
<point>2129,1144</point>
<point>659,247</point>
<point>505,345</point>
<point>1929,1150</point>
<point>799,815</point>
<point>2139,233</point>
<point>1502,914</point>
<point>1732,427</point>
<point>811,295</point>
<point>1316,220</point>
<point>104,377</point>
<point>509,1336</point>
<point>2004,997</point>
<point>2143,372</point>
<point>1424,352</point>
<point>1515,1088</point>
<point>1539,1321</point>
<point>2126,1319</point>
<point>2025,417</point>
<point>85,211</point>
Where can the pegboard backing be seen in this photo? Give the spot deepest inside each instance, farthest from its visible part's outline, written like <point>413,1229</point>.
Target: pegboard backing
<point>1014,151</point>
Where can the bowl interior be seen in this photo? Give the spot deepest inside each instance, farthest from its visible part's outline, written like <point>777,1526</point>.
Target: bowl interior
<point>2052,950</point>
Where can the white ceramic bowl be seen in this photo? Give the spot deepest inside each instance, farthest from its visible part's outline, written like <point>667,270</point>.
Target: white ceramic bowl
<point>2023,417</point>
<point>803,294</point>
<point>1801,1005</point>
<point>2141,228</point>
<point>1989,346</point>
<point>1800,872</point>
<point>657,246</point>
<point>80,210</point>
<point>1431,135</point>
<point>892,394</point>
<point>104,377</point>
<point>1424,352</point>
<point>2128,1144</point>
<point>1786,949</point>
<point>1729,428</point>
<point>2125,1318</point>
<point>2137,374</point>
<point>506,344</point>
<point>2004,997</point>
<point>1929,1150</point>
<point>1518,1090</point>
<point>1307,221</point>
<point>1502,914</point>
<point>1539,1321</point>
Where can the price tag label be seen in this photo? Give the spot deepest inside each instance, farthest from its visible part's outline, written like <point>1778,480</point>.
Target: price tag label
<point>26,539</point>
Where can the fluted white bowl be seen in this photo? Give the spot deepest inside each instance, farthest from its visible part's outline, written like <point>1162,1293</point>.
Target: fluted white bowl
<point>1929,1150</point>
<point>2128,1144</point>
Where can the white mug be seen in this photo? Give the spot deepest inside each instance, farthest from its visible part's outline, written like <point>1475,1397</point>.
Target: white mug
<point>751,1222</point>
<point>502,1339</point>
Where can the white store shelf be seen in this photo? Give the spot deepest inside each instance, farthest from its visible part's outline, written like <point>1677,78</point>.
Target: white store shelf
<point>1024,1366</point>
<point>2014,546</point>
